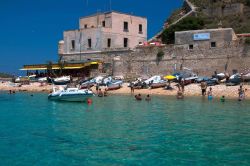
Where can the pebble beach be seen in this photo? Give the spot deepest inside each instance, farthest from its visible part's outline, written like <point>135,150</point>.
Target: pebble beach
<point>190,90</point>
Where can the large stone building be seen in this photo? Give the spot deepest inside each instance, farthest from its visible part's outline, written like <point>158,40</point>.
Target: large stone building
<point>103,32</point>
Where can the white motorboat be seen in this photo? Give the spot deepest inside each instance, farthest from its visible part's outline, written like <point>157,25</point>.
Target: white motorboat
<point>154,79</point>
<point>70,94</point>
<point>61,80</point>
<point>246,77</point>
<point>43,79</point>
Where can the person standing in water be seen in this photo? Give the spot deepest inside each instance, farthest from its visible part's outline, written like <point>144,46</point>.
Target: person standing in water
<point>97,88</point>
<point>179,93</point>
<point>241,93</point>
<point>210,94</point>
<point>203,88</point>
<point>222,99</point>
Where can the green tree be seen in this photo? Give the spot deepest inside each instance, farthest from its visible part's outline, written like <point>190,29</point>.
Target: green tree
<point>159,56</point>
<point>188,23</point>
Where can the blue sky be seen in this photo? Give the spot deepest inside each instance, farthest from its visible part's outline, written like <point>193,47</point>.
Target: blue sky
<point>31,29</point>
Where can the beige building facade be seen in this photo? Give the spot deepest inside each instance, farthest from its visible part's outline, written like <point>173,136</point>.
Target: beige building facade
<point>205,39</point>
<point>103,32</point>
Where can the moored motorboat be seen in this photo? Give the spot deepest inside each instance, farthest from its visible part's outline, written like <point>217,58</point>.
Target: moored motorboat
<point>70,94</point>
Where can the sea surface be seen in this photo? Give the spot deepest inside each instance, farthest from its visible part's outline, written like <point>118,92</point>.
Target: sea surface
<point>117,130</point>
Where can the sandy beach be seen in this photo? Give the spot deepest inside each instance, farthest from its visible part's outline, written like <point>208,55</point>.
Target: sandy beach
<point>190,90</point>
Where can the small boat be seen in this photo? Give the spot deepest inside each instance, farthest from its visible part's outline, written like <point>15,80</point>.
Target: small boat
<point>70,94</point>
<point>98,80</point>
<point>33,78</point>
<point>201,78</point>
<point>87,85</point>
<point>61,80</point>
<point>221,76</point>
<point>212,82</point>
<point>234,80</point>
<point>43,79</point>
<point>154,79</point>
<point>158,85</point>
<point>113,87</point>
<point>246,77</point>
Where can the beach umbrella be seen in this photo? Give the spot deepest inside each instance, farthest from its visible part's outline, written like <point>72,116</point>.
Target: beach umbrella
<point>170,77</point>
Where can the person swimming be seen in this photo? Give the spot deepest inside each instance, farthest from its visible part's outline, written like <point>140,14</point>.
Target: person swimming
<point>222,99</point>
<point>138,97</point>
<point>148,98</point>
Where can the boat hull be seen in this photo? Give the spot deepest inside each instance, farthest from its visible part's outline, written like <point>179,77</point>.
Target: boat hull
<point>85,86</point>
<point>71,97</point>
<point>113,87</point>
<point>246,77</point>
<point>157,85</point>
<point>61,82</point>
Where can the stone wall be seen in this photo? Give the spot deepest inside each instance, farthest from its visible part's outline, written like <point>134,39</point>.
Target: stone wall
<point>143,60</point>
<point>204,62</point>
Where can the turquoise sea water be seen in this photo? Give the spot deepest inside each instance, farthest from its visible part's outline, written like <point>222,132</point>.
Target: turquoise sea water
<point>117,130</point>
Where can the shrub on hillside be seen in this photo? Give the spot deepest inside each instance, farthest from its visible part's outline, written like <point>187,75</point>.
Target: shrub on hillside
<point>188,23</point>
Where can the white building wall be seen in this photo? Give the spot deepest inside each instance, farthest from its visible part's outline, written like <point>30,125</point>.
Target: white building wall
<point>114,29</point>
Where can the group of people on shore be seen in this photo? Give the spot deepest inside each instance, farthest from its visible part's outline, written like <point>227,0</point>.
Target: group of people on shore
<point>101,93</point>
<point>204,92</point>
<point>241,92</point>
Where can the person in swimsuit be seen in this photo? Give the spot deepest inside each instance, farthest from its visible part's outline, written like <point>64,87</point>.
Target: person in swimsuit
<point>210,94</point>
